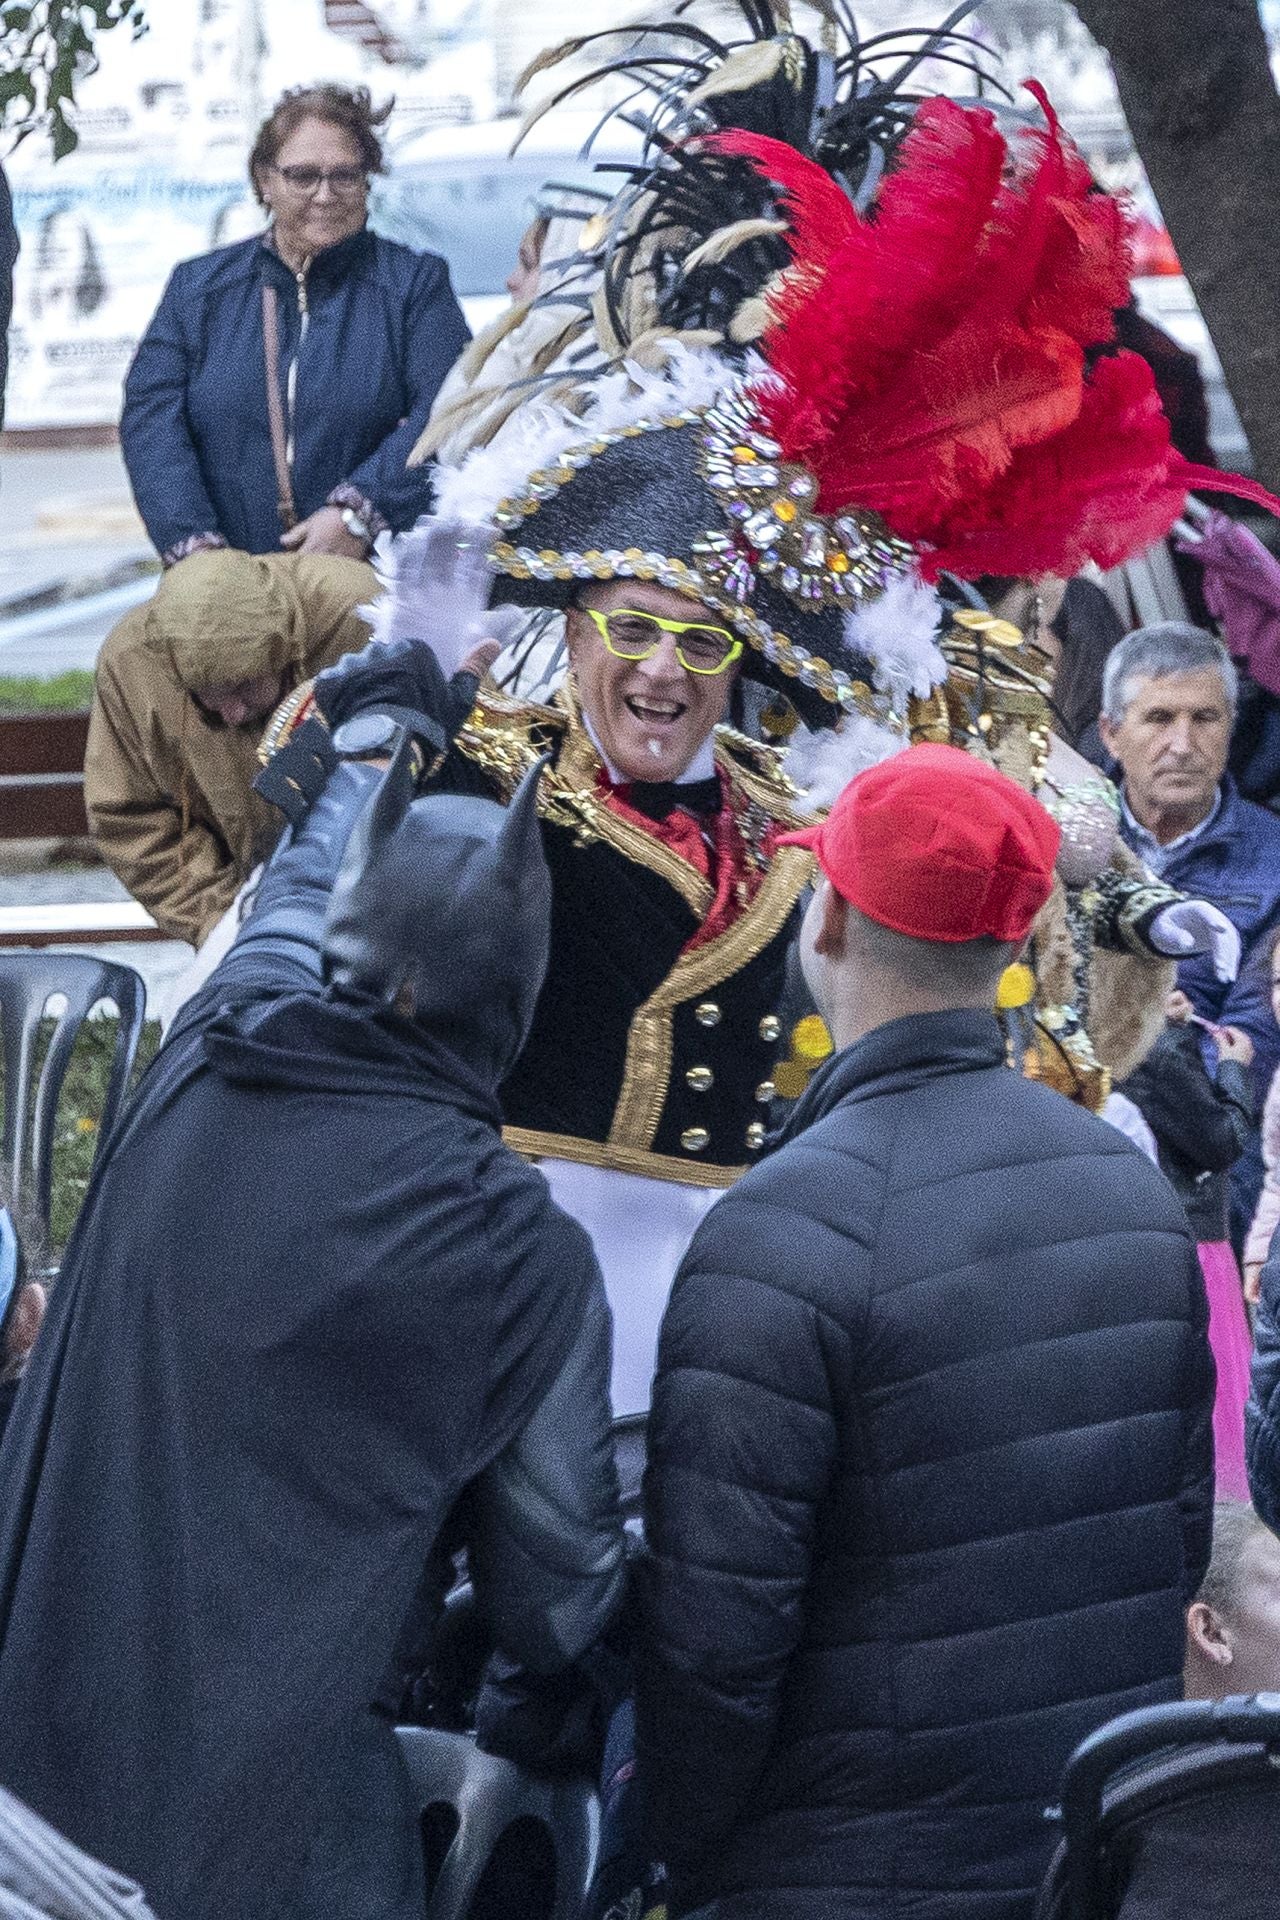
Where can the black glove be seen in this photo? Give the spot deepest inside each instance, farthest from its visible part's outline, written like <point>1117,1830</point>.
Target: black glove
<point>402,677</point>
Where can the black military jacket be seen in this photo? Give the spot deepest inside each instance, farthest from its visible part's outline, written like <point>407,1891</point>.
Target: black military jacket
<point>647,1055</point>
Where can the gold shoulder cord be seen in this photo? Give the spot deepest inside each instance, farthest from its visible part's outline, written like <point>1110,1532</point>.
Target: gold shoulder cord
<point>647,1073</point>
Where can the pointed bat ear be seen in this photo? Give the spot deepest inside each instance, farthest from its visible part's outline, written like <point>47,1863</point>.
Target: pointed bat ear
<point>383,812</point>
<point>519,843</point>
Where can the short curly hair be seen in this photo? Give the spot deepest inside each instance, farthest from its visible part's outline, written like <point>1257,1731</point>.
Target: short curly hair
<point>350,108</point>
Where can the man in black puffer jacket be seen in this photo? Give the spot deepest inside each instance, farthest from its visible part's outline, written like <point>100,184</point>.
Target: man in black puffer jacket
<point>930,1474</point>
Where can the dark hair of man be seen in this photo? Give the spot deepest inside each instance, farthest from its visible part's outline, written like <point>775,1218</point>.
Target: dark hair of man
<point>349,108</point>
<point>1234,1524</point>
<point>967,968</point>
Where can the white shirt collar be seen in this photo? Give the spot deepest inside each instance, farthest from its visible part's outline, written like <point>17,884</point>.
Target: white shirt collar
<point>1161,850</point>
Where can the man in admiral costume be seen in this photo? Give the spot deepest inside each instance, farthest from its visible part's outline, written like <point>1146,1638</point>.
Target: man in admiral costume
<point>721,528</point>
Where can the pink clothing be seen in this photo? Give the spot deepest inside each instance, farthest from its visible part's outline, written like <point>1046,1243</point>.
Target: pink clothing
<point>1258,1243</point>
<point>1242,590</point>
<point>1232,1346</point>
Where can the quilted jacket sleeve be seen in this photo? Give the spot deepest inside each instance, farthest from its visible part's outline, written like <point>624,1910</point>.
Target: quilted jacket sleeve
<point>742,1449</point>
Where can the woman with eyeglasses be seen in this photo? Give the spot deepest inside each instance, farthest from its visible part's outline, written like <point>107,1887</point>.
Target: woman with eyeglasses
<point>276,395</point>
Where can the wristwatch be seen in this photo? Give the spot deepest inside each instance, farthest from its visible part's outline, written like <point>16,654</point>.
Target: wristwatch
<point>365,734</point>
<point>368,736</point>
<point>356,525</point>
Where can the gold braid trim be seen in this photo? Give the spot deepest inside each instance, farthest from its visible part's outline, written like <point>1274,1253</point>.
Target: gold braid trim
<point>647,1073</point>
<point>535,1145</point>
<point>280,727</point>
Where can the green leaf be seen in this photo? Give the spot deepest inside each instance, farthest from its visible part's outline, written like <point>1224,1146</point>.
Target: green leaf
<point>17,83</point>
<point>65,137</point>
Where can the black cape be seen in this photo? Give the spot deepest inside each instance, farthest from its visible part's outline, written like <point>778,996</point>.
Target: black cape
<point>310,1296</point>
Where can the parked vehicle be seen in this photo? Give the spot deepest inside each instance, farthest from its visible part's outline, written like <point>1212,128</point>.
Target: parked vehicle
<point>461,192</point>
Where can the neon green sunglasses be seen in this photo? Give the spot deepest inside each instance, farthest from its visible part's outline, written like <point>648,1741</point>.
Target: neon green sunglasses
<point>634,636</point>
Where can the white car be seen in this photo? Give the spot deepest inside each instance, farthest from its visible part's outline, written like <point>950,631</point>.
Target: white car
<point>460,191</point>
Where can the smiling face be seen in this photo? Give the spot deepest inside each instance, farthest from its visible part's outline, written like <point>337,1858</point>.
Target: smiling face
<point>307,222</point>
<point>649,717</point>
<point>1172,742</point>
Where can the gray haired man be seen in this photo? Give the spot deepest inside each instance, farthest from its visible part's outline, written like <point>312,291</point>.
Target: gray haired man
<point>1168,703</point>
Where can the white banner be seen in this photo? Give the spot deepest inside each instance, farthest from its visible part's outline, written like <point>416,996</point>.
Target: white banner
<point>165,127</point>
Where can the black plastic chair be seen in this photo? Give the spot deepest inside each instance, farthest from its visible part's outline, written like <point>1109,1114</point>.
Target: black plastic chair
<point>497,1841</point>
<point>1170,1813</point>
<point>28,982</point>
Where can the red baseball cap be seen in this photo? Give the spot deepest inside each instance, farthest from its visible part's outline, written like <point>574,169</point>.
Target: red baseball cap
<point>938,845</point>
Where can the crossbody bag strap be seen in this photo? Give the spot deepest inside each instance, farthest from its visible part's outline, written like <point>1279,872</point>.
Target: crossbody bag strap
<point>275,409</point>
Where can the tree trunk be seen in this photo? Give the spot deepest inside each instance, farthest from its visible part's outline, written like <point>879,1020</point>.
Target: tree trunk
<point>1195,83</point>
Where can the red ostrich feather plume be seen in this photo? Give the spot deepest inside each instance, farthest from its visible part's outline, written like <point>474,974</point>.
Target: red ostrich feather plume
<point>929,361</point>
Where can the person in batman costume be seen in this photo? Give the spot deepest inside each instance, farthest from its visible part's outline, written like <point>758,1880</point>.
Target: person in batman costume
<point>276,1385</point>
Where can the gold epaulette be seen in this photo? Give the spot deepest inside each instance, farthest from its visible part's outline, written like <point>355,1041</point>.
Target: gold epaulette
<point>506,737</point>
<point>994,701</point>
<point>756,770</point>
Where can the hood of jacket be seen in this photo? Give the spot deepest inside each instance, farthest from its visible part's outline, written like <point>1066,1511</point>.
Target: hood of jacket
<point>321,1042</point>
<point>222,617</point>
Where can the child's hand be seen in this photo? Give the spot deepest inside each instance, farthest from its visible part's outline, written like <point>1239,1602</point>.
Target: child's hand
<point>1253,1282</point>
<point>1178,1008</point>
<point>1234,1045</point>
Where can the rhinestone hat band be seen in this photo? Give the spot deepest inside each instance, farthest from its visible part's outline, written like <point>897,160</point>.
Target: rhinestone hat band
<point>811,558</point>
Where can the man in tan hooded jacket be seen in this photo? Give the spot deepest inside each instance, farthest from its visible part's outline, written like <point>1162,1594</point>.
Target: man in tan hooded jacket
<point>184,688</point>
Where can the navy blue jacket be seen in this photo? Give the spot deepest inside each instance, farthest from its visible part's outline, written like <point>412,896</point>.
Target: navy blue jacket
<point>1235,865</point>
<point>930,1484</point>
<point>382,330</point>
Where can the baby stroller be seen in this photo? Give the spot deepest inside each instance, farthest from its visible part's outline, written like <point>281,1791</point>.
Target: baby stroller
<point>1171,1813</point>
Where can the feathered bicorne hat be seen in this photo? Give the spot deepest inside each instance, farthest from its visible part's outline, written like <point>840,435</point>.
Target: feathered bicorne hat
<point>933,388</point>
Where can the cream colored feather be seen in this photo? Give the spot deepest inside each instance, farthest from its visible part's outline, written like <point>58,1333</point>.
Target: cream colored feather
<point>726,240</point>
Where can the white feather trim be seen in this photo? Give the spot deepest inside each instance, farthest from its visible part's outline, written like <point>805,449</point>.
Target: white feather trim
<point>898,633</point>
<point>537,434</point>
<point>823,763</point>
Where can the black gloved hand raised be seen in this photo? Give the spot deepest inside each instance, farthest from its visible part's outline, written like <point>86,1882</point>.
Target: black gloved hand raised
<point>403,678</point>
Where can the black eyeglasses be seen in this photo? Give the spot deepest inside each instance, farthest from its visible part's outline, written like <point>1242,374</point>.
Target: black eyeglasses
<point>344,182</point>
